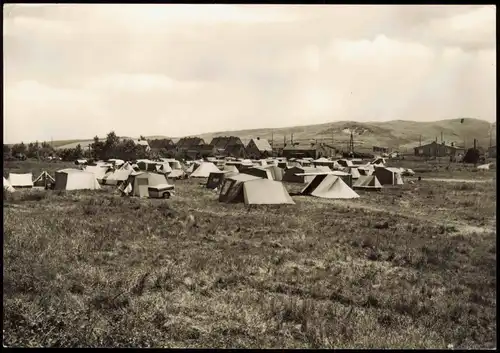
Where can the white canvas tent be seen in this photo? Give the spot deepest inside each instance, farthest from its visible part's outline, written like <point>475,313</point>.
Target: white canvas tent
<point>99,171</point>
<point>75,179</point>
<point>368,182</point>
<point>117,177</point>
<point>204,170</point>
<point>21,180</point>
<point>7,187</point>
<point>253,190</point>
<point>329,186</point>
<point>354,172</point>
<point>139,184</point>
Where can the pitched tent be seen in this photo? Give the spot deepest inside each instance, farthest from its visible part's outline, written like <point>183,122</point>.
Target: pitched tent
<point>368,182</point>
<point>346,177</point>
<point>7,187</point>
<point>116,162</point>
<point>147,165</point>
<point>260,163</point>
<point>323,162</point>
<point>204,170</point>
<point>276,171</point>
<point>177,174</point>
<point>98,170</point>
<point>117,177</point>
<point>216,179</point>
<point>192,168</point>
<point>138,184</point>
<point>163,168</point>
<point>354,172</point>
<point>345,162</point>
<point>75,179</point>
<point>21,180</point>
<point>43,180</point>
<point>291,177</point>
<point>230,168</point>
<point>329,186</point>
<point>173,163</point>
<point>259,172</point>
<point>253,190</point>
<point>388,176</point>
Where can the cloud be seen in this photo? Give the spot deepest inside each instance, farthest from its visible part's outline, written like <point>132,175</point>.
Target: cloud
<point>83,69</point>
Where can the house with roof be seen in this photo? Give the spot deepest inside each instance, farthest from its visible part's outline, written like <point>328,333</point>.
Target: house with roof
<point>259,148</point>
<point>435,149</point>
<point>158,144</point>
<point>187,143</point>
<point>228,146</point>
<point>143,143</point>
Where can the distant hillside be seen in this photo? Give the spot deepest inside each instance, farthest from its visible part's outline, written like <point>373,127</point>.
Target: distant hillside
<point>397,134</point>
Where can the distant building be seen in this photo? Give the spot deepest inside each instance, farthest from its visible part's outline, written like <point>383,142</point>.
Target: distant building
<point>380,149</point>
<point>157,144</point>
<point>188,143</point>
<point>143,143</point>
<point>230,146</point>
<point>300,151</point>
<point>492,152</point>
<point>259,148</point>
<point>435,149</point>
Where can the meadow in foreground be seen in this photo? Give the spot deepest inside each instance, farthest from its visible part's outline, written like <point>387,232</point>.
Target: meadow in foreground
<point>409,267</point>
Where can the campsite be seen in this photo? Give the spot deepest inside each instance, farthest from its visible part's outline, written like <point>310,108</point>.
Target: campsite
<point>409,265</point>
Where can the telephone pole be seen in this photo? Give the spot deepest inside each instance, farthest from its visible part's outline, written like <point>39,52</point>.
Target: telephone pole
<point>291,139</point>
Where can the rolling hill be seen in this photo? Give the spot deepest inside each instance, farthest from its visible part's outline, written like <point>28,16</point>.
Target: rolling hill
<point>397,134</point>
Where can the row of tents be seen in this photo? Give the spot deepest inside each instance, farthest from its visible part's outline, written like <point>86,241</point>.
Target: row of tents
<point>264,180</point>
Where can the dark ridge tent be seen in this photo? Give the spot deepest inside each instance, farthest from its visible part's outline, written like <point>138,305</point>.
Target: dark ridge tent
<point>367,182</point>
<point>147,165</point>
<point>216,179</point>
<point>388,176</point>
<point>44,180</point>
<point>329,186</point>
<point>291,175</point>
<point>254,191</point>
<point>260,172</point>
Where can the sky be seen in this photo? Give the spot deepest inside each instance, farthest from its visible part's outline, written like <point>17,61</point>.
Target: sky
<point>74,71</point>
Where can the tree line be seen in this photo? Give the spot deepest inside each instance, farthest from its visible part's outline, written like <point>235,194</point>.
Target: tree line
<point>101,149</point>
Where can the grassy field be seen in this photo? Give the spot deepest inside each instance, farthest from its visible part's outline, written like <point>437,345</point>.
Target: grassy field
<point>407,267</point>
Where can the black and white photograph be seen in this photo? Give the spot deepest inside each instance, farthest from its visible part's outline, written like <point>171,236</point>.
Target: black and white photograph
<point>315,176</point>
